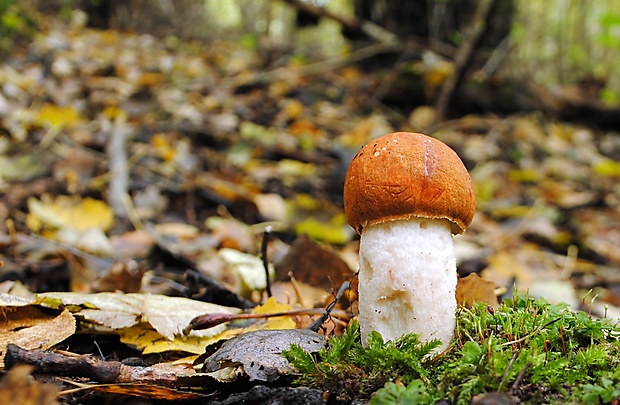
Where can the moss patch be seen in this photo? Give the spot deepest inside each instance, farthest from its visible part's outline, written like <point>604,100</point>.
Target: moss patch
<point>529,349</point>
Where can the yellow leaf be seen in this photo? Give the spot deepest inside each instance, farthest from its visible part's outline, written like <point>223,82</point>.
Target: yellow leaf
<point>485,190</point>
<point>51,115</point>
<point>150,79</point>
<point>293,108</point>
<point>69,212</point>
<point>143,337</point>
<point>523,175</point>
<point>113,112</point>
<point>607,168</point>
<point>279,322</point>
<point>165,148</point>
<point>335,231</point>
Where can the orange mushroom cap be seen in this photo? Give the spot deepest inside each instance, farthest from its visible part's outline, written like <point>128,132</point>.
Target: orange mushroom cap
<point>404,175</point>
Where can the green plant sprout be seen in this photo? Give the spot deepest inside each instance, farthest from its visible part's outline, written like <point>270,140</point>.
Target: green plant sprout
<point>527,348</point>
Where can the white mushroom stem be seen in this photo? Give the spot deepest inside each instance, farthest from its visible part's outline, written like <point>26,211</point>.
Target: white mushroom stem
<point>407,280</point>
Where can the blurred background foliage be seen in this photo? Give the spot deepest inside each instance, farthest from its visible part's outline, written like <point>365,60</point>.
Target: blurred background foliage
<point>555,42</point>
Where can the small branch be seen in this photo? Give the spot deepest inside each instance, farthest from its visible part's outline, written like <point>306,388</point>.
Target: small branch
<point>515,354</point>
<point>210,320</point>
<point>317,324</point>
<point>263,250</point>
<point>116,152</point>
<point>207,321</point>
<point>57,364</point>
<point>106,372</point>
<point>517,381</point>
<point>463,56</point>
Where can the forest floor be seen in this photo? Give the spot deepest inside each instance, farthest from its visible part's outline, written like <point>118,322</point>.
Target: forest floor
<point>153,167</point>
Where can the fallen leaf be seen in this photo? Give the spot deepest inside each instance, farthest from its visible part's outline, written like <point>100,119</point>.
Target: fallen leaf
<point>555,292</point>
<point>50,115</point>
<point>249,268</point>
<point>607,168</point>
<point>474,288</point>
<point>167,315</point>
<point>155,392</point>
<point>278,322</point>
<point>599,231</point>
<point>29,327</point>
<point>313,264</point>
<point>335,231</point>
<point>69,212</point>
<point>18,387</point>
<point>146,339</point>
<point>23,168</point>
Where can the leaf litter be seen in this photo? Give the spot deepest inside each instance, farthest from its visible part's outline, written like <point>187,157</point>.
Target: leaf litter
<point>213,156</point>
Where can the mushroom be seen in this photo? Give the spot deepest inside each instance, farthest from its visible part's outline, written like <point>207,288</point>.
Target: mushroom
<point>406,194</point>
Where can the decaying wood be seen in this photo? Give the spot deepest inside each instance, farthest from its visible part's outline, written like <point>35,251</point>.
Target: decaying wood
<point>57,364</point>
<point>100,371</point>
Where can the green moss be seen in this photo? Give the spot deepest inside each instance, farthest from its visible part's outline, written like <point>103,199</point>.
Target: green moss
<point>537,352</point>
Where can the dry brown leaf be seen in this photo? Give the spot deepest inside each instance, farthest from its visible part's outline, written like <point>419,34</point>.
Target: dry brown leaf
<point>18,387</point>
<point>31,328</point>
<point>146,391</point>
<point>474,288</point>
<point>313,264</point>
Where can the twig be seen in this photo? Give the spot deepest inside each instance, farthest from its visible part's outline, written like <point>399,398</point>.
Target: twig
<point>99,350</point>
<point>517,381</point>
<point>263,250</point>
<point>119,168</point>
<point>130,210</point>
<point>106,372</point>
<point>317,324</point>
<point>210,320</point>
<point>463,56</point>
<point>57,364</point>
<point>515,354</point>
<point>207,321</point>
<point>295,284</point>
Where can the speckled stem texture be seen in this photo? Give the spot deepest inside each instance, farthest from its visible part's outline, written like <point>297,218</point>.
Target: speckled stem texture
<point>407,280</point>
